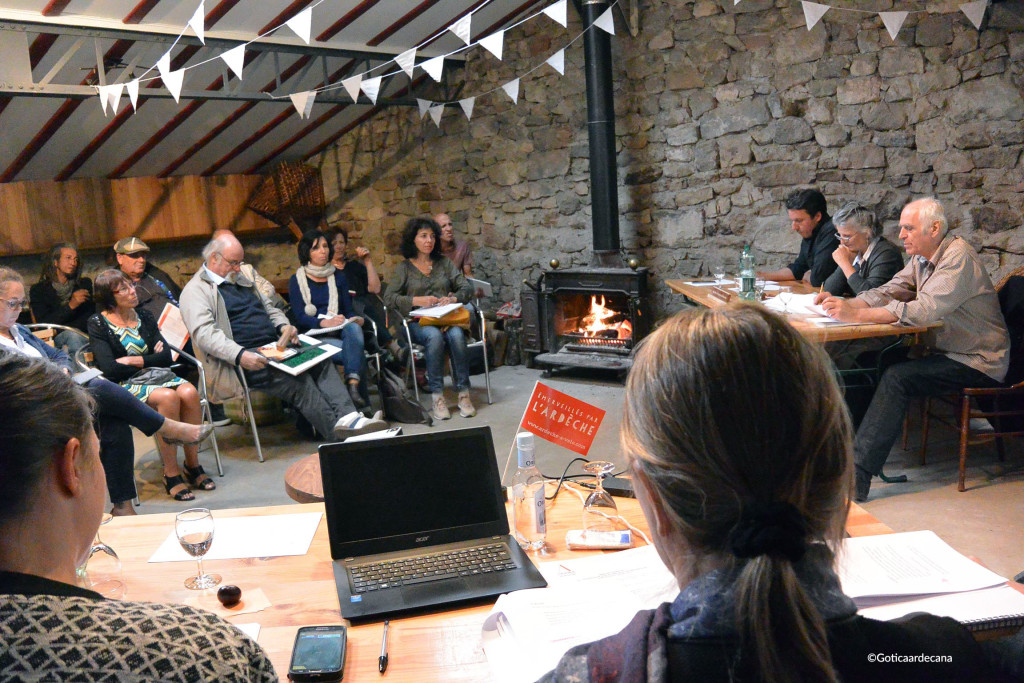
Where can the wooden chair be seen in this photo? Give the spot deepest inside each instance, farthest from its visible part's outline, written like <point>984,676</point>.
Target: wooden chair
<point>48,331</point>
<point>1002,406</point>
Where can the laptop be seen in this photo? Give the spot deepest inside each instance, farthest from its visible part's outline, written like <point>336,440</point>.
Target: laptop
<point>419,521</point>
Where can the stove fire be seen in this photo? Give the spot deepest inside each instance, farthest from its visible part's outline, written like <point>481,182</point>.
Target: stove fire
<point>596,323</point>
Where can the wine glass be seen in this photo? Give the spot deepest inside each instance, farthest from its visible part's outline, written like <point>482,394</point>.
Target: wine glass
<point>759,285</point>
<point>718,270</point>
<point>600,514</point>
<point>785,296</point>
<point>102,571</point>
<point>194,528</point>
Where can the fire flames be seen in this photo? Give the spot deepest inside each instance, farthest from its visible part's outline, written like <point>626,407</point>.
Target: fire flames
<point>594,323</point>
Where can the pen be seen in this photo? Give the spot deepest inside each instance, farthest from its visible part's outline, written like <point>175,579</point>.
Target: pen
<point>382,661</point>
<point>822,288</point>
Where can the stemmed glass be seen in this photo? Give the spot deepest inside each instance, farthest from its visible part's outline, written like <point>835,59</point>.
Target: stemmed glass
<point>194,528</point>
<point>101,571</point>
<point>785,296</point>
<point>718,270</point>
<point>599,509</point>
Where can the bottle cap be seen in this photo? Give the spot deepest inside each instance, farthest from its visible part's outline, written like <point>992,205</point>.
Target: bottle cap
<point>524,441</point>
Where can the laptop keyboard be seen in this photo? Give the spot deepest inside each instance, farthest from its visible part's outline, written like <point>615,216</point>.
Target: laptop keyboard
<point>410,571</point>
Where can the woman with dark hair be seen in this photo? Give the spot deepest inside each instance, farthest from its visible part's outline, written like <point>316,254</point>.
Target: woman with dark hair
<point>319,295</point>
<point>118,411</point>
<point>51,502</point>
<point>62,296</point>
<point>426,278</point>
<point>739,446</point>
<point>125,343</point>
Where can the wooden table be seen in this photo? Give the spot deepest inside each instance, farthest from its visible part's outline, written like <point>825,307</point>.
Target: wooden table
<point>811,332</point>
<point>443,645</point>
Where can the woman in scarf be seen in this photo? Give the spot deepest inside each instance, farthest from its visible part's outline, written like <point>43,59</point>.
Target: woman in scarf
<point>62,296</point>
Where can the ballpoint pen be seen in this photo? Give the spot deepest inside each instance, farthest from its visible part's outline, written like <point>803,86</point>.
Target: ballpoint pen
<point>382,661</point>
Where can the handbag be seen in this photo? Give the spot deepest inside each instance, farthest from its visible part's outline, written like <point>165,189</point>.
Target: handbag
<point>457,318</point>
<point>153,376</point>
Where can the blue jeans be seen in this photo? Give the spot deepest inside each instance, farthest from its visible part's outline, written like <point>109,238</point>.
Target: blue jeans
<point>352,354</point>
<point>434,341</point>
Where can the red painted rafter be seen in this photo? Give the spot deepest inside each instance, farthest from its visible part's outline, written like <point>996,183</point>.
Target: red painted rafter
<point>284,146</point>
<point>401,23</point>
<point>343,23</point>
<point>55,7</point>
<point>140,11</point>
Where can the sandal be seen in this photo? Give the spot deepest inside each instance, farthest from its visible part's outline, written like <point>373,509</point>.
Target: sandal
<point>173,483</point>
<point>198,478</point>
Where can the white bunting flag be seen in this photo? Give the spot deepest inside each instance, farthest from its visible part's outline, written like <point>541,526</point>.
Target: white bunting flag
<point>424,106</point>
<point>606,22</point>
<point>735,2</point>
<point>371,86</point>
<point>975,11</point>
<point>235,58</point>
<point>197,22</point>
<point>104,96</point>
<point>813,12</point>
<point>407,60</point>
<point>557,61</point>
<point>462,29</point>
<point>512,89</point>
<point>352,86</point>
<point>300,24</point>
<point>434,67</point>
<point>133,92</point>
<point>114,96</point>
<point>303,102</point>
<point>467,106</point>
<point>163,65</point>
<point>173,81</point>
<point>893,22</point>
<point>557,12</point>
<point>435,113</point>
<point>494,43</point>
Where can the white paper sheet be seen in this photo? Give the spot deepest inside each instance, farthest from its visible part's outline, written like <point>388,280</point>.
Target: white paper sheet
<point>434,311</point>
<point>172,327</point>
<point>972,606</point>
<point>240,537</point>
<point>251,629</point>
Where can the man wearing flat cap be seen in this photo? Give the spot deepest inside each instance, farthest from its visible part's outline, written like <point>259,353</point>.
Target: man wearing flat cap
<point>154,287</point>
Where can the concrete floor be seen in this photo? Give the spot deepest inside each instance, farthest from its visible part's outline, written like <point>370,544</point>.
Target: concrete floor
<point>986,521</point>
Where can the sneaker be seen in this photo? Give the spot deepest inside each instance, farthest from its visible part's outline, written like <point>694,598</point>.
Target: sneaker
<point>466,408</point>
<point>440,411</point>
<point>354,423</point>
<point>220,419</point>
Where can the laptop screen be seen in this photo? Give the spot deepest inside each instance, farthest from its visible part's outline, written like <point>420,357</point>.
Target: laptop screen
<point>411,491</point>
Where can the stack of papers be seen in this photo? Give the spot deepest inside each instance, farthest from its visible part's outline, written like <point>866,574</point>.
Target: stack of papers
<point>434,311</point>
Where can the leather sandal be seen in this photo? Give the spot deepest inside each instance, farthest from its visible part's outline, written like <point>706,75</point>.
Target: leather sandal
<point>174,482</point>
<point>198,478</point>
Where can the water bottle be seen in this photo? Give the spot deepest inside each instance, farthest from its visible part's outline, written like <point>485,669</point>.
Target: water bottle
<point>747,274</point>
<point>527,493</point>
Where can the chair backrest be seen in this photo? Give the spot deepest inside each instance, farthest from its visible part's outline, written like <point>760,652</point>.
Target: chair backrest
<point>1011,303</point>
<point>46,334</point>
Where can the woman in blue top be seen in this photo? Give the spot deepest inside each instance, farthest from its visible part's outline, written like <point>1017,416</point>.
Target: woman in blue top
<point>319,296</point>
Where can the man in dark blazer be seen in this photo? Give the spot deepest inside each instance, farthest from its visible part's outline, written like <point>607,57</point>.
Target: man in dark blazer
<point>865,259</point>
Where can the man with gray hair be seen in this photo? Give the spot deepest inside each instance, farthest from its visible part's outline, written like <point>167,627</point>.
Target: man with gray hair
<point>864,258</point>
<point>229,320</point>
<point>944,282</point>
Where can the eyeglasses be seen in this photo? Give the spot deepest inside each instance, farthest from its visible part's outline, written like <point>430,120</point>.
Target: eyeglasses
<point>138,254</point>
<point>846,239</point>
<point>15,304</point>
<point>234,264</point>
<point>125,288</point>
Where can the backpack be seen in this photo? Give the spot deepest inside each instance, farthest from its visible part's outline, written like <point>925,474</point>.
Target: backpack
<point>398,407</point>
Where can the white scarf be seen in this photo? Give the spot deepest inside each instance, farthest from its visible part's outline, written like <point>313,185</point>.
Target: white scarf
<point>326,271</point>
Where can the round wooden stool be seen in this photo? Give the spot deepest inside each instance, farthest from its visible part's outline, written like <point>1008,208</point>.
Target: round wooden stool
<point>302,480</point>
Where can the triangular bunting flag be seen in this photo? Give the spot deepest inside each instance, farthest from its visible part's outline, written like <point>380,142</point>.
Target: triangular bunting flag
<point>133,92</point>
<point>813,12</point>
<point>235,58</point>
<point>494,43</point>
<point>371,86</point>
<point>303,102</point>
<point>462,29</point>
<point>352,86</point>
<point>512,89</point>
<point>424,106</point>
<point>173,81</point>
<point>606,22</point>
<point>434,67</point>
<point>407,60</point>
<point>557,12</point>
<point>975,11</point>
<point>114,96</point>
<point>197,22</point>
<point>893,22</point>
<point>467,106</point>
<point>435,113</point>
<point>104,91</point>
<point>300,23</point>
<point>163,65</point>
<point>557,61</point>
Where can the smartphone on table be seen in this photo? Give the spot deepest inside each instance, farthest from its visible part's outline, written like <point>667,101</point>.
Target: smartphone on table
<point>318,654</point>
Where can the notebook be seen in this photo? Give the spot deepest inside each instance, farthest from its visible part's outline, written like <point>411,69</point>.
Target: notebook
<point>419,521</point>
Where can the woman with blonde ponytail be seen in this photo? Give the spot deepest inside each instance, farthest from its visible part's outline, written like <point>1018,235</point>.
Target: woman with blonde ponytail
<point>740,449</point>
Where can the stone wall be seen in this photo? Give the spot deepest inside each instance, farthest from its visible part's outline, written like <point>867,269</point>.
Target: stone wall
<point>721,110</point>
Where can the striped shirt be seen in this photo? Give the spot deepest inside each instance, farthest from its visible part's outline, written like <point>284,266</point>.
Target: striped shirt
<point>952,288</point>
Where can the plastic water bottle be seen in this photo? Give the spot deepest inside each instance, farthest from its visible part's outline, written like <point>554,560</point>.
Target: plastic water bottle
<point>527,493</point>
<point>747,274</point>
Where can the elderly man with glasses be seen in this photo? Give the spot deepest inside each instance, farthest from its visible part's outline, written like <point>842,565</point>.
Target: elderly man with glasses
<point>154,287</point>
<point>864,258</point>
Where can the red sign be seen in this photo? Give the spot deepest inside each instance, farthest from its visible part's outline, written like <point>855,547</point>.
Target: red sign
<point>562,419</point>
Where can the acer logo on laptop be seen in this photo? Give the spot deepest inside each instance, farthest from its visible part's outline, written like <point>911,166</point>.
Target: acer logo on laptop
<point>422,539</point>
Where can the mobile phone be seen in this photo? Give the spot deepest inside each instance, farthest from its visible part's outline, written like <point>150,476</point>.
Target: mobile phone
<point>318,654</point>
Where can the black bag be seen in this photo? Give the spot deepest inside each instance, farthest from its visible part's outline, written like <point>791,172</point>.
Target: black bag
<point>398,407</point>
